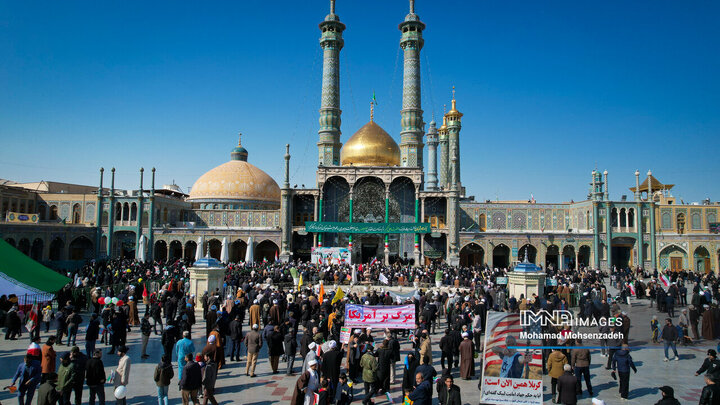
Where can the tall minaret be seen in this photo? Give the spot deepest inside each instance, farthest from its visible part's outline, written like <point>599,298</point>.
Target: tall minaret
<point>454,118</point>
<point>331,42</point>
<point>443,178</point>
<point>432,142</point>
<point>411,144</point>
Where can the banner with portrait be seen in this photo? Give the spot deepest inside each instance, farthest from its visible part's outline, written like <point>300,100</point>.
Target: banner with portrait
<point>512,373</point>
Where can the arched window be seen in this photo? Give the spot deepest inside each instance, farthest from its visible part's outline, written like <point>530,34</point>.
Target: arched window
<point>631,218</point>
<point>681,223</point>
<point>76,214</point>
<point>623,218</point>
<point>133,212</point>
<point>126,212</point>
<point>53,212</point>
<point>481,222</point>
<point>696,221</point>
<point>614,218</point>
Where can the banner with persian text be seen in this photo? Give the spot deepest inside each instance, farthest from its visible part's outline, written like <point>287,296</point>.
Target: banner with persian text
<point>362,227</point>
<point>380,316</point>
<point>512,372</point>
<point>20,218</point>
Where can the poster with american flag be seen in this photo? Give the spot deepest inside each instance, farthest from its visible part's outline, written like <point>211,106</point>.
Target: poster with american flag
<point>512,372</point>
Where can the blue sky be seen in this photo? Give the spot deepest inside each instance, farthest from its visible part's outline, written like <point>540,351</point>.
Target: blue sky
<point>550,90</point>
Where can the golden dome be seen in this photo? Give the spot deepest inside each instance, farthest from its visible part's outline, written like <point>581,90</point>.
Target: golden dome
<point>236,180</point>
<point>370,146</point>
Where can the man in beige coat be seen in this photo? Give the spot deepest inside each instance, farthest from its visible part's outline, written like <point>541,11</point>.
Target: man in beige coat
<point>426,348</point>
<point>122,372</point>
<point>580,361</point>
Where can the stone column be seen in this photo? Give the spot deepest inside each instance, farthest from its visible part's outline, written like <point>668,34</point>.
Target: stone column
<point>386,250</point>
<point>608,235</point>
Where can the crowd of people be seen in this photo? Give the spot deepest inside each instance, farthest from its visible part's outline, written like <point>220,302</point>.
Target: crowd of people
<point>259,306</point>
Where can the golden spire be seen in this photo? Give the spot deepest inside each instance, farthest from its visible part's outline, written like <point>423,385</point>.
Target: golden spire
<point>443,127</point>
<point>453,110</point>
<point>239,138</point>
<point>372,110</point>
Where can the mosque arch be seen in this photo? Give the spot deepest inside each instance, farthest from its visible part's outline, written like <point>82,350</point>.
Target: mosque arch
<point>53,216</point>
<point>237,251</point>
<point>552,257</point>
<point>124,244</point>
<point>57,248</point>
<point>501,256</point>
<point>680,222</point>
<point>568,257</point>
<point>265,250</point>
<point>126,212</point>
<point>81,248</point>
<point>531,253</point>
<point>584,256</point>
<point>472,254</point>
<point>118,211</point>
<point>214,247</point>
<point>133,211</point>
<point>160,250</point>
<point>701,258</point>
<point>482,222</point>
<point>36,251</point>
<point>24,246</point>
<point>11,242</point>
<point>673,257</point>
<point>190,248</point>
<point>176,252</point>
<point>76,213</point>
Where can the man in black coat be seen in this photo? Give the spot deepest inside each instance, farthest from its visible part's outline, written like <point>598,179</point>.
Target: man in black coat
<point>385,356</point>
<point>668,396</point>
<point>395,349</point>
<point>446,350</point>
<point>290,350</point>
<point>236,336</point>
<point>191,380</point>
<point>95,377</point>
<point>567,385</point>
<point>331,362</point>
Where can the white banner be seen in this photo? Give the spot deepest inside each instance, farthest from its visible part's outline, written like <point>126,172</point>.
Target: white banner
<point>380,317</point>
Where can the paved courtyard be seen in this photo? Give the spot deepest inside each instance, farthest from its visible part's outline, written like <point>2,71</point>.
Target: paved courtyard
<point>235,388</point>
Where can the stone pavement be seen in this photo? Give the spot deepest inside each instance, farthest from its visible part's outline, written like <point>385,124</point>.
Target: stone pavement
<point>233,387</point>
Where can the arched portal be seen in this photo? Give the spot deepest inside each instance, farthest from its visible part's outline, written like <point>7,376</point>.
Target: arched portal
<point>24,246</point>
<point>160,250</point>
<point>214,248</point>
<point>552,257</point>
<point>336,208</point>
<point>584,256</point>
<point>673,257</point>
<point>702,260</point>
<point>81,248</point>
<point>501,256</point>
<point>531,253</point>
<point>190,248</point>
<point>11,242</point>
<point>237,251</point>
<point>568,257</point>
<point>175,250</point>
<point>57,248</point>
<point>265,250</point>
<point>472,254</point>
<point>36,251</point>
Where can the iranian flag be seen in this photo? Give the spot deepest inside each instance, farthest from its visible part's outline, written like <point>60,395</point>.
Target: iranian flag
<point>373,261</point>
<point>276,255</point>
<point>632,288</point>
<point>665,280</point>
<point>32,323</point>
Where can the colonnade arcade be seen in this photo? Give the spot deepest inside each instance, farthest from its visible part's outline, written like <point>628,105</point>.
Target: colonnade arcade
<point>502,254</point>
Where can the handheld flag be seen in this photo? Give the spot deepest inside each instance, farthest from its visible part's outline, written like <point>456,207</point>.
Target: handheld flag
<point>665,280</point>
<point>339,294</point>
<point>321,293</point>
<point>383,279</point>
<point>632,288</point>
<point>276,255</point>
<point>144,294</point>
<point>373,261</point>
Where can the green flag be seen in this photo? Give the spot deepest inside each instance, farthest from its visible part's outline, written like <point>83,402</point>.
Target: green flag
<point>374,100</point>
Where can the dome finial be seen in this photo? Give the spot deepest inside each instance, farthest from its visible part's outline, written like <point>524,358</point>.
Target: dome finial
<point>372,111</point>
<point>332,6</point>
<point>412,6</point>
<point>453,98</point>
<point>238,152</point>
<point>239,138</point>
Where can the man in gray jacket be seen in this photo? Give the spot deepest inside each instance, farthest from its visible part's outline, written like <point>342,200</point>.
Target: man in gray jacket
<point>253,342</point>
